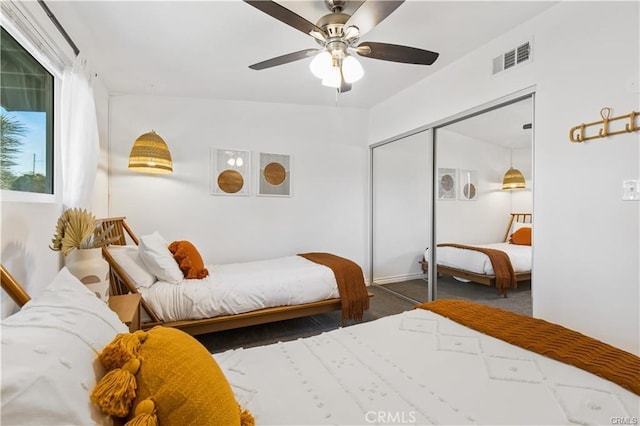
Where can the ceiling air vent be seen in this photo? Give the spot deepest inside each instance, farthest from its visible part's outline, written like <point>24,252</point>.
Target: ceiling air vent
<point>523,52</point>
<point>509,59</point>
<point>512,57</point>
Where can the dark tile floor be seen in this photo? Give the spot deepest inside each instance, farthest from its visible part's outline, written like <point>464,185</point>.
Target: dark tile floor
<point>403,296</point>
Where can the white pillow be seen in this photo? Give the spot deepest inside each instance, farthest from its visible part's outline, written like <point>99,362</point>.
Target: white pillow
<point>50,355</point>
<point>154,252</point>
<point>128,258</point>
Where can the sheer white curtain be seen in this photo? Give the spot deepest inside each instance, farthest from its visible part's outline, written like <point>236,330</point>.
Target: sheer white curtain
<point>80,146</point>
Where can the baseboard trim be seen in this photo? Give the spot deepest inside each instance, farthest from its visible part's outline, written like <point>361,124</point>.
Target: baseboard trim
<point>397,279</point>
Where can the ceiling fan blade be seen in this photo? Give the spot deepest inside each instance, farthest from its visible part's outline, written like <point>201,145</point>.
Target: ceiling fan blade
<point>371,13</point>
<point>284,59</point>
<point>396,53</point>
<point>285,15</point>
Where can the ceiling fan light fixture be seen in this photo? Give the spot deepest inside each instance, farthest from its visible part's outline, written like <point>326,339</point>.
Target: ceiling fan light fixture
<point>351,33</point>
<point>351,69</point>
<point>321,64</point>
<point>333,78</point>
<point>338,32</point>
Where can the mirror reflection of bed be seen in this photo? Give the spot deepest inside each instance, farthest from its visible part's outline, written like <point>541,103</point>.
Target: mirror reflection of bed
<point>471,157</point>
<point>471,272</point>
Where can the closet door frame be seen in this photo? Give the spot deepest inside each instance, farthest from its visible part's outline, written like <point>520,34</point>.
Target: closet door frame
<point>432,141</point>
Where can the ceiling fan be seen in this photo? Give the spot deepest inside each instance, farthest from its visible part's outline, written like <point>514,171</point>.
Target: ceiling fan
<point>337,33</point>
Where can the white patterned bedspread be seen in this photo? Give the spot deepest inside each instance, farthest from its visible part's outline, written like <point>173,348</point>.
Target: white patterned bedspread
<point>479,263</point>
<point>416,368</point>
<point>242,287</point>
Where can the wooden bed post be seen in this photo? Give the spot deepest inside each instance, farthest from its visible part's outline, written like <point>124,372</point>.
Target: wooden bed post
<point>13,289</point>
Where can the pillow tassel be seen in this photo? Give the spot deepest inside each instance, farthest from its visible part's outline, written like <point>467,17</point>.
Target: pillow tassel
<point>116,391</point>
<point>122,349</point>
<point>145,414</point>
<point>246,418</point>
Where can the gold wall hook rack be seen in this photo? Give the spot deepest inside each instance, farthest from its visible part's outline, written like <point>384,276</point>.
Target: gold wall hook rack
<point>578,133</point>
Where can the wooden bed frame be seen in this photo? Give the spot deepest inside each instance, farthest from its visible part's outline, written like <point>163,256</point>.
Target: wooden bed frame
<point>12,288</point>
<point>489,280</point>
<point>121,284</point>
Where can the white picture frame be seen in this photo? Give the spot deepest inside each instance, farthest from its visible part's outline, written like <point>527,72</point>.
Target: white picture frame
<point>274,175</point>
<point>230,172</point>
<point>447,184</point>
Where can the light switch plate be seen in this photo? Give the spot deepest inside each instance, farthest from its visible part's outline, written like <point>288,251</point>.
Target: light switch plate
<point>631,190</point>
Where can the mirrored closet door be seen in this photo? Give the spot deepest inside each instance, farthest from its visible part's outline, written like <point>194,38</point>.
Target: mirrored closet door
<point>401,211</point>
<point>450,179</point>
<point>473,205</point>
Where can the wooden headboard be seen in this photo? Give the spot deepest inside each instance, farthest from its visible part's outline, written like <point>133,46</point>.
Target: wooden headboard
<point>13,289</point>
<point>118,231</point>
<point>119,281</point>
<point>517,217</point>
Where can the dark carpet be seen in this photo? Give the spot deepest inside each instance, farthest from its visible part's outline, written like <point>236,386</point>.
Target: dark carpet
<point>388,299</point>
<point>382,304</point>
<point>518,300</point>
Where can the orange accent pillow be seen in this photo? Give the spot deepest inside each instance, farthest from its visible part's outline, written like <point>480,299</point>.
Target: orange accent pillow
<point>521,237</point>
<point>189,259</point>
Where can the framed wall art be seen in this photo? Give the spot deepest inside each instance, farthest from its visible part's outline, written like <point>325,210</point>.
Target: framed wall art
<point>446,184</point>
<point>230,171</point>
<point>274,175</point>
<point>468,185</point>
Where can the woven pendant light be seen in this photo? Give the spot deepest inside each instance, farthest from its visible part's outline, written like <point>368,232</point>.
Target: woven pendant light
<point>513,179</point>
<point>150,154</point>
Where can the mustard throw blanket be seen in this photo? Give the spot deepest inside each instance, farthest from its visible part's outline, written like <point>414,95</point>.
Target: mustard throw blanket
<point>502,268</point>
<point>545,338</point>
<point>350,280</point>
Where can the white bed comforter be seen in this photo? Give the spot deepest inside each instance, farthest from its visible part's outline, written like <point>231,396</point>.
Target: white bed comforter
<point>416,368</point>
<point>242,287</point>
<point>479,263</point>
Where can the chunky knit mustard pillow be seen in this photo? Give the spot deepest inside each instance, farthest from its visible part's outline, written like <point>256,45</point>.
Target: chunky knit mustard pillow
<point>165,377</point>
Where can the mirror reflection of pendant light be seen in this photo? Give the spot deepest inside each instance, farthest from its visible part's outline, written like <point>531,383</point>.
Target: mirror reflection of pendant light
<point>513,178</point>
<point>150,154</point>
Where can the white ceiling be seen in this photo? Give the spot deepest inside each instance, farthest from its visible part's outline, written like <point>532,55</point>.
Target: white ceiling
<point>501,126</point>
<point>204,48</point>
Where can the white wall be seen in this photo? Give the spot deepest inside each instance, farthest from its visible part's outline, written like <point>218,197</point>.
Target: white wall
<point>522,199</point>
<point>586,245</point>
<point>328,208</point>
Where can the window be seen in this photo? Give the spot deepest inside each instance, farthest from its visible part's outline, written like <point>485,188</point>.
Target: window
<point>26,120</point>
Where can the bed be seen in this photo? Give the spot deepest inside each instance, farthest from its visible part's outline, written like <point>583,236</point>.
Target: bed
<point>242,294</point>
<point>472,263</point>
<point>441,363</point>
